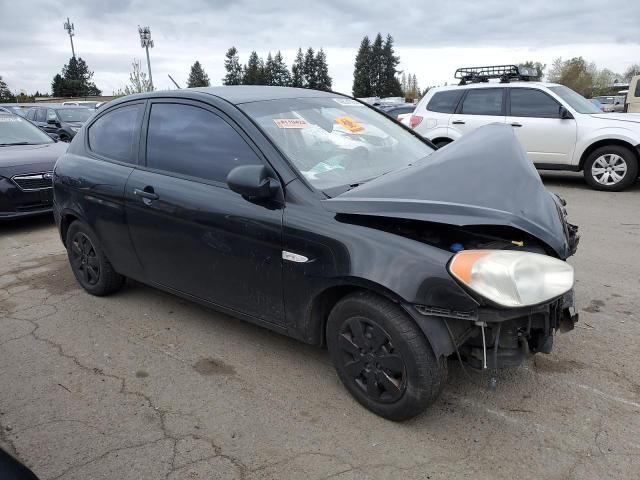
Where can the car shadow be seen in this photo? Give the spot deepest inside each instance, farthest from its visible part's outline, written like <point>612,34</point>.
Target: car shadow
<point>26,225</point>
<point>573,180</point>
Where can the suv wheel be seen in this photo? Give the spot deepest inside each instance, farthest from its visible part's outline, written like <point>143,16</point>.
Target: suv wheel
<point>88,262</point>
<point>382,357</point>
<point>611,168</point>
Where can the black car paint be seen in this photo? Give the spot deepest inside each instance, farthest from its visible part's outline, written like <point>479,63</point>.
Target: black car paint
<point>64,130</point>
<point>24,160</point>
<point>206,243</point>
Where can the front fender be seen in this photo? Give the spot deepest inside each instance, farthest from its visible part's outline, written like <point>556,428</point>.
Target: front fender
<point>602,134</point>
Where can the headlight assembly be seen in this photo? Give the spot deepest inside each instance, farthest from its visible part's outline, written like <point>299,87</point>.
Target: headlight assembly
<point>511,278</point>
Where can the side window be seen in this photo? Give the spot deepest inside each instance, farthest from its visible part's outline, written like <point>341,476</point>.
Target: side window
<point>114,134</point>
<point>526,102</point>
<point>51,115</point>
<point>31,114</point>
<point>41,115</point>
<point>444,102</point>
<point>486,101</point>
<point>192,141</point>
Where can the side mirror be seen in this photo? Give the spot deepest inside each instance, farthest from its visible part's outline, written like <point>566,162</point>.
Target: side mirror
<point>565,114</point>
<point>54,136</point>
<point>51,121</point>
<point>252,182</point>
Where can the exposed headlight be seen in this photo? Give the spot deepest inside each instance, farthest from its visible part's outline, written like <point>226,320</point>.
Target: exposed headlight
<point>510,278</point>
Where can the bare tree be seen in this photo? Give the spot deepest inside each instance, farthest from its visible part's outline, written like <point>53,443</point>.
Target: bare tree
<point>138,81</point>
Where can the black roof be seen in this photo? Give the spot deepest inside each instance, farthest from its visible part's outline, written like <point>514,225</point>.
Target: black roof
<point>254,93</point>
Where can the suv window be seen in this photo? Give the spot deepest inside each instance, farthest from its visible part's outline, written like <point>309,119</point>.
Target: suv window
<point>31,114</point>
<point>192,141</point>
<point>486,101</point>
<point>526,102</point>
<point>51,115</point>
<point>114,134</point>
<point>444,102</point>
<point>41,115</point>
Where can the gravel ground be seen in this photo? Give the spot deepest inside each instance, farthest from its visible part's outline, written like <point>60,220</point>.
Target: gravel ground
<point>144,385</point>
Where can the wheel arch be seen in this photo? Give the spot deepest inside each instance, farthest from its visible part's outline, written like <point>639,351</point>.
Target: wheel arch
<point>66,219</point>
<point>433,328</point>
<point>442,139</point>
<point>605,142</point>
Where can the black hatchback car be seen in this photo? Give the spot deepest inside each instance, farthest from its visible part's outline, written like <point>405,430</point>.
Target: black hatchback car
<point>64,121</point>
<point>27,157</point>
<point>317,216</point>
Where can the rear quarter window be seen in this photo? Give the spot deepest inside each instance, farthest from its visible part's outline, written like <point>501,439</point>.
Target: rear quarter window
<point>444,102</point>
<point>115,134</point>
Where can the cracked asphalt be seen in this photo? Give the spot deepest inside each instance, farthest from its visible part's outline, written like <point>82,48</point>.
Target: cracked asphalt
<point>144,385</point>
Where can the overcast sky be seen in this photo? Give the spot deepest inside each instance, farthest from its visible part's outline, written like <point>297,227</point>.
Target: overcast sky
<point>432,38</point>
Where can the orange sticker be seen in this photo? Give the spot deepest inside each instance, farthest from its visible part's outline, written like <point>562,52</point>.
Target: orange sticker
<point>350,124</point>
<point>291,123</point>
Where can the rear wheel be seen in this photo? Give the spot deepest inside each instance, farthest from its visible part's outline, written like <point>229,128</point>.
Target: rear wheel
<point>382,357</point>
<point>611,168</point>
<point>92,269</point>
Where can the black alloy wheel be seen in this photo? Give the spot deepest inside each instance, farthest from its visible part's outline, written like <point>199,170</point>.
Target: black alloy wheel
<point>84,258</point>
<point>371,361</point>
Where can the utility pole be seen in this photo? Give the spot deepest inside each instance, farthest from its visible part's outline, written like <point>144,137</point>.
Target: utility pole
<point>146,43</point>
<point>68,26</point>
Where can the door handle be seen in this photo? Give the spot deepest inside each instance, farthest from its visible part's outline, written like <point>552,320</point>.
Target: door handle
<point>147,194</point>
<point>516,124</point>
<point>458,122</point>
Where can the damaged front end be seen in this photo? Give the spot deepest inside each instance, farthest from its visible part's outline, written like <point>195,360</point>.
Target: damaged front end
<point>481,199</point>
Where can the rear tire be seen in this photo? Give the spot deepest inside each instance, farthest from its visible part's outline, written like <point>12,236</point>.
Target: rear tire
<point>611,168</point>
<point>382,357</point>
<point>90,266</point>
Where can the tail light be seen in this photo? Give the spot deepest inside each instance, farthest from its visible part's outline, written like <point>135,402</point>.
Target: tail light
<point>415,120</point>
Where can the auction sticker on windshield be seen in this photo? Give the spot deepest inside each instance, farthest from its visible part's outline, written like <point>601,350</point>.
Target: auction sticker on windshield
<point>351,125</point>
<point>291,123</point>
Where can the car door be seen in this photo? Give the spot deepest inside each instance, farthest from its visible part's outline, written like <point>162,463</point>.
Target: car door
<point>535,117</point>
<point>480,106</point>
<point>191,233</point>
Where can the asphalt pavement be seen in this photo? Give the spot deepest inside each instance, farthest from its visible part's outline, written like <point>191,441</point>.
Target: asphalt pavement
<point>144,385</point>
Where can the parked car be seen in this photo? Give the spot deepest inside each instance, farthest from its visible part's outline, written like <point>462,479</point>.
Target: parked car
<point>83,103</point>
<point>632,100</point>
<point>558,128</point>
<point>398,111</point>
<point>13,108</point>
<point>27,156</point>
<point>318,217</point>
<point>611,103</point>
<point>65,121</point>
<point>597,104</point>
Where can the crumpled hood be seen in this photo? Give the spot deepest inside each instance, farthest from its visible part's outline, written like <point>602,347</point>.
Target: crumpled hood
<point>484,178</point>
<point>20,159</point>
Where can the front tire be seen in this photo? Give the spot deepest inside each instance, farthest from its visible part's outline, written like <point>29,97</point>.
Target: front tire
<point>90,266</point>
<point>611,168</point>
<point>382,357</point>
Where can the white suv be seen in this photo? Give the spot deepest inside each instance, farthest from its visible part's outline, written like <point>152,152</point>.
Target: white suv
<point>558,128</point>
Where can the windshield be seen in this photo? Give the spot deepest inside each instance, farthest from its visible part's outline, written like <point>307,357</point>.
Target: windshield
<point>15,130</point>
<point>336,142</point>
<point>74,114</point>
<point>577,101</point>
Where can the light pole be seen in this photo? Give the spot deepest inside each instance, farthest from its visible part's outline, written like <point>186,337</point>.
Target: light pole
<point>146,43</point>
<point>68,26</point>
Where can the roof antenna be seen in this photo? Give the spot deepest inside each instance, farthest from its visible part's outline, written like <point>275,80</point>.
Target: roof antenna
<point>174,82</point>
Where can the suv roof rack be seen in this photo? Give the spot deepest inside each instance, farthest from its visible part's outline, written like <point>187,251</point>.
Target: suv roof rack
<point>505,73</point>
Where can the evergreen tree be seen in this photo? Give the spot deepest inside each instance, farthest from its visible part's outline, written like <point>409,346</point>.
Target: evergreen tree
<point>361,73</point>
<point>5,94</point>
<point>76,80</point>
<point>322,71</point>
<point>197,76</point>
<point>390,83</point>
<point>403,84</point>
<point>254,71</point>
<point>57,86</point>
<point>232,66</point>
<point>377,66</point>
<point>268,70</point>
<point>280,75</point>
<point>297,75</point>
<point>309,69</point>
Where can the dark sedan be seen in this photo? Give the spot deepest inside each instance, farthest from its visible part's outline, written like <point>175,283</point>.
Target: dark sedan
<point>63,121</point>
<point>317,216</point>
<point>27,157</point>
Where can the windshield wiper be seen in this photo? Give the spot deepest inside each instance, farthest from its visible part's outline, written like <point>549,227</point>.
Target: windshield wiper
<point>13,143</point>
